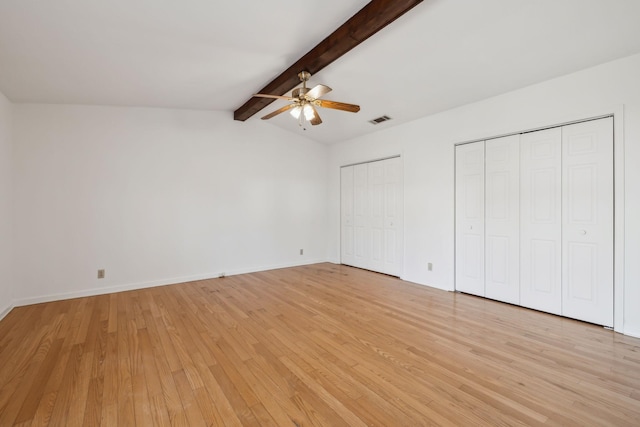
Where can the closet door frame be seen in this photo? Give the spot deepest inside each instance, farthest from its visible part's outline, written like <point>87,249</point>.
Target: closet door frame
<point>617,112</point>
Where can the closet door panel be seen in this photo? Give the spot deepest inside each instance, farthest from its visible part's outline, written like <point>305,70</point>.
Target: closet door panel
<point>393,216</point>
<point>470,218</point>
<point>587,256</point>
<point>346,218</point>
<point>361,216</point>
<point>376,220</point>
<point>541,220</point>
<point>502,221</point>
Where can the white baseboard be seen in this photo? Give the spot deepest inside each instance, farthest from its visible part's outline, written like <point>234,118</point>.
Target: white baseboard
<point>4,311</point>
<point>142,285</point>
<point>631,333</point>
<point>434,286</point>
<point>274,267</point>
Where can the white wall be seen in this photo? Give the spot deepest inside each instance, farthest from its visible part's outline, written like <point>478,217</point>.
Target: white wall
<point>158,196</point>
<point>427,149</point>
<point>6,223</point>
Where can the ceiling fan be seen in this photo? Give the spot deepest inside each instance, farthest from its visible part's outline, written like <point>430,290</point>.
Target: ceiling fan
<point>305,100</point>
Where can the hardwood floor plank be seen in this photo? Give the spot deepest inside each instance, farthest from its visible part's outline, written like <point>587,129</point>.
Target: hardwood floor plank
<point>93,409</point>
<point>113,314</point>
<point>189,403</point>
<point>16,362</point>
<point>141,400</point>
<point>160,383</point>
<point>109,408</point>
<point>31,402</point>
<point>262,416</point>
<point>322,345</point>
<point>212,398</point>
<point>161,326</point>
<point>153,384</point>
<point>16,394</point>
<point>68,383</point>
<point>80,390</point>
<point>230,367</point>
<point>42,415</point>
<point>159,411</point>
<point>126,358</point>
<point>346,416</point>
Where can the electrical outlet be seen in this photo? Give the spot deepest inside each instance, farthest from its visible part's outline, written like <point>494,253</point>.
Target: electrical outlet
<point>101,273</point>
<point>301,251</point>
<point>430,266</point>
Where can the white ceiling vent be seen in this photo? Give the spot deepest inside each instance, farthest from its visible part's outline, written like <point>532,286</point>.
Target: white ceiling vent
<point>379,120</point>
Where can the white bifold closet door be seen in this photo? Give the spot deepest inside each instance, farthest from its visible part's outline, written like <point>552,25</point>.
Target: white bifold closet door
<point>371,234</point>
<point>534,220</point>
<point>502,221</point>
<point>587,221</point>
<point>470,218</point>
<point>487,220</point>
<point>541,220</point>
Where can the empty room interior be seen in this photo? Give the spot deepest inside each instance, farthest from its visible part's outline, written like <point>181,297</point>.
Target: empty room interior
<point>394,213</point>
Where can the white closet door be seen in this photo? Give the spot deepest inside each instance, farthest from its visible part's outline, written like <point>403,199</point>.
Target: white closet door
<point>393,217</point>
<point>502,221</point>
<point>587,241</point>
<point>376,221</point>
<point>470,218</point>
<point>347,218</point>
<point>371,216</point>
<point>541,221</point>
<point>360,216</point>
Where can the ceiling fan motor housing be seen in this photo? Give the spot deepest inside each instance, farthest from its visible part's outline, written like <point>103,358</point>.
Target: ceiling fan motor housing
<point>299,92</point>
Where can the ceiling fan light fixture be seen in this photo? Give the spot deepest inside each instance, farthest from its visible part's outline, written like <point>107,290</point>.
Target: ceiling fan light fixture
<point>308,112</point>
<point>295,112</point>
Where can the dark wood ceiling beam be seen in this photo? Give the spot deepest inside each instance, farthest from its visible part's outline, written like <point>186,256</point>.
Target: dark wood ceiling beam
<point>369,20</point>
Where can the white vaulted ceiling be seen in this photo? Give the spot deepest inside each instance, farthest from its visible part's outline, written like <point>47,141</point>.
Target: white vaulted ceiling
<point>213,55</point>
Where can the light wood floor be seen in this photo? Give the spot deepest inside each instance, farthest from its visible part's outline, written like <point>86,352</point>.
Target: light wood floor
<point>315,345</point>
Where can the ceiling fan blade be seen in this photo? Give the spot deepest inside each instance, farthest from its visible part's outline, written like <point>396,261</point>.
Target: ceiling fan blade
<point>315,120</point>
<point>264,95</point>
<point>317,91</point>
<point>352,108</point>
<point>278,111</point>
